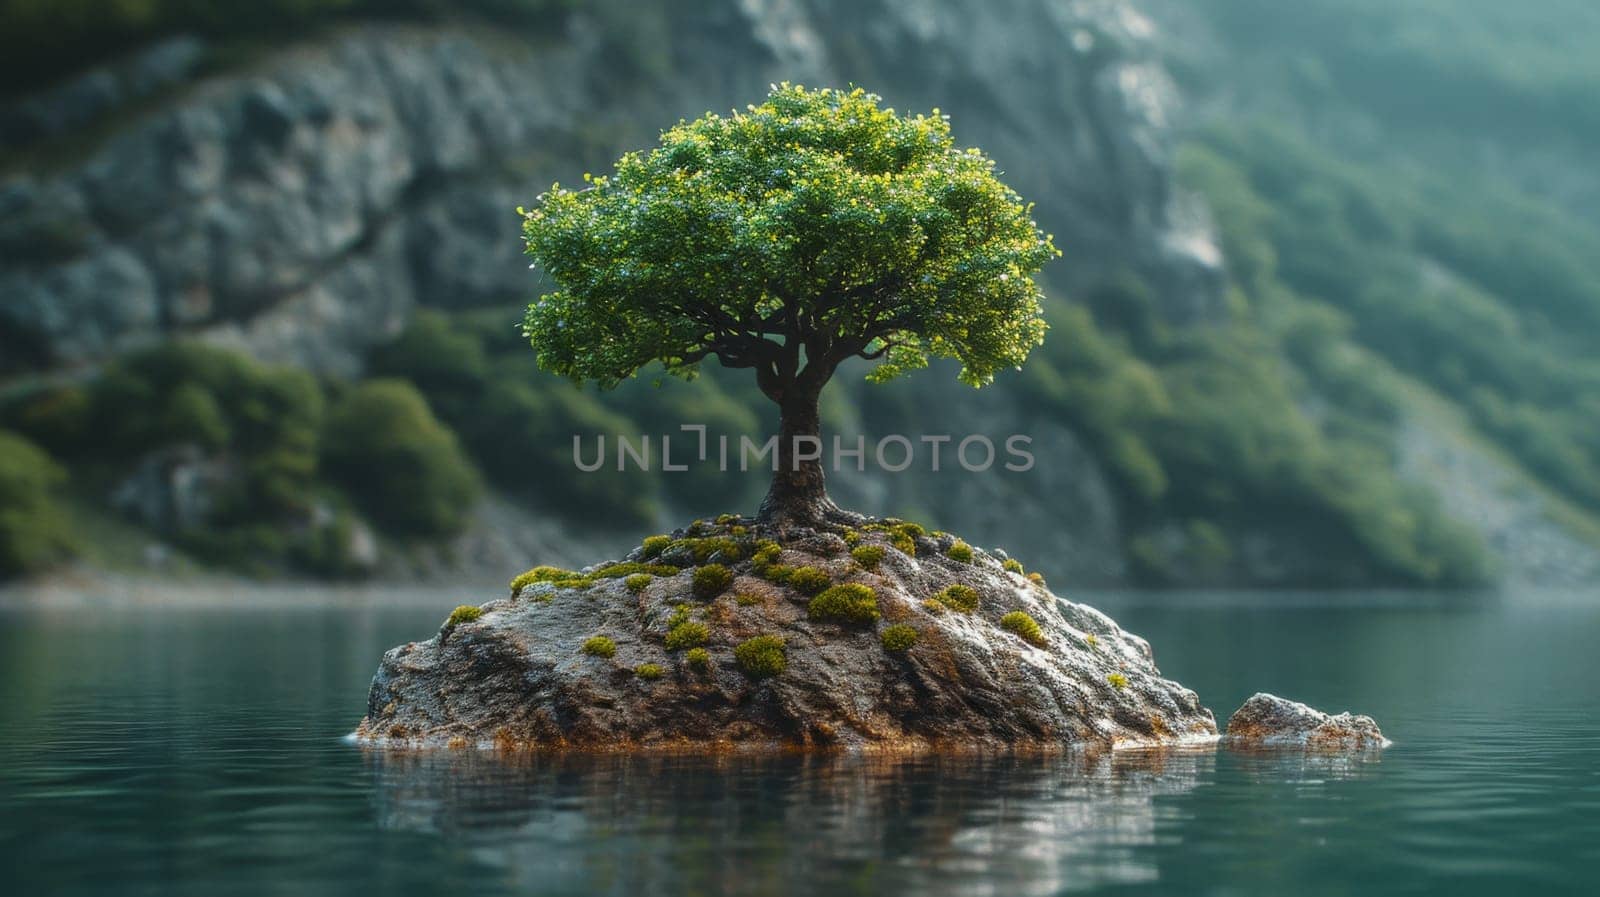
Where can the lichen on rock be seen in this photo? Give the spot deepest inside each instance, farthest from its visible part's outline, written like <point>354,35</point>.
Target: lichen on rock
<point>756,665</point>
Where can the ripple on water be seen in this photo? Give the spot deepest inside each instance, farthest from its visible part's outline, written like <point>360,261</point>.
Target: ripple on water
<point>202,754</point>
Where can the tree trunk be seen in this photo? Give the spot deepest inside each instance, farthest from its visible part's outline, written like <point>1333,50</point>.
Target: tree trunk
<point>798,494</point>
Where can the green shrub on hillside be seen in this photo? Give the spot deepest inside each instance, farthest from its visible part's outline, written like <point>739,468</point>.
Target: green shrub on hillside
<point>385,446</point>
<point>260,423</point>
<point>56,418</point>
<point>34,530</point>
<point>190,393</point>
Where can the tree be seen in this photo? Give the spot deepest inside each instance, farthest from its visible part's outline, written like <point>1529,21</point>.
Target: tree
<point>812,229</point>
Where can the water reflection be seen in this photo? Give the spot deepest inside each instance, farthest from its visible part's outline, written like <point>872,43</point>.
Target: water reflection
<point>196,752</point>
<point>1293,765</point>
<point>968,825</point>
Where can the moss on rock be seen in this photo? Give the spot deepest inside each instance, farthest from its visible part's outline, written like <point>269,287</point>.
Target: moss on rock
<point>466,613</point>
<point>600,646</point>
<point>897,638</point>
<point>868,556</point>
<point>711,580</point>
<point>958,597</point>
<point>762,656</point>
<point>687,634</point>
<point>1024,626</point>
<point>850,603</point>
<point>808,580</point>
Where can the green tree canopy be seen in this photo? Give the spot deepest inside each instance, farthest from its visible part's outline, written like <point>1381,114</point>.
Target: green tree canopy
<point>816,227</point>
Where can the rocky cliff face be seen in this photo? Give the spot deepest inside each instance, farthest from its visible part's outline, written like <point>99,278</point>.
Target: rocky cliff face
<point>302,206</point>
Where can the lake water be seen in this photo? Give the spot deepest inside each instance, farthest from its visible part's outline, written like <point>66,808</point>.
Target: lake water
<point>197,749</point>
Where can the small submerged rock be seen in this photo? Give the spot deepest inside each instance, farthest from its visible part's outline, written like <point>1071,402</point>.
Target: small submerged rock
<point>729,635</point>
<point>1270,721</point>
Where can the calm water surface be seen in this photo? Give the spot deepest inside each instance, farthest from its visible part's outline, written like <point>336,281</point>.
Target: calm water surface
<point>197,750</point>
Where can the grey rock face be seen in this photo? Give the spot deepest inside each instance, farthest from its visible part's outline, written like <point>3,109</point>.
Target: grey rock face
<point>517,676</point>
<point>82,100</point>
<point>1270,721</point>
<point>175,489</point>
<point>336,187</point>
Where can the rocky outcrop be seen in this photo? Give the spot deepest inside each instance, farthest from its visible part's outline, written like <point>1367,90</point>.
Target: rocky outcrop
<point>301,207</point>
<point>1270,721</point>
<point>728,636</point>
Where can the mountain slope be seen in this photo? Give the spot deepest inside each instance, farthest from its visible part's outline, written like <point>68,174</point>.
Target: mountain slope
<point>342,204</point>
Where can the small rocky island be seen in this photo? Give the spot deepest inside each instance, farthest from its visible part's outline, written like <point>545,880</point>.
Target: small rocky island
<point>733,634</point>
<point>856,231</point>
<point>1268,721</point>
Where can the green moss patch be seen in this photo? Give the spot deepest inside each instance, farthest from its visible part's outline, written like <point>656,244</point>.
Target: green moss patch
<point>850,603</point>
<point>809,580</point>
<point>704,549</point>
<point>762,656</point>
<point>711,580</point>
<point>1024,626</point>
<point>959,597</point>
<point>898,637</point>
<point>466,613</point>
<point>868,556</point>
<point>687,634</point>
<point>600,646</point>
<point>633,568</point>
<point>556,576</point>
